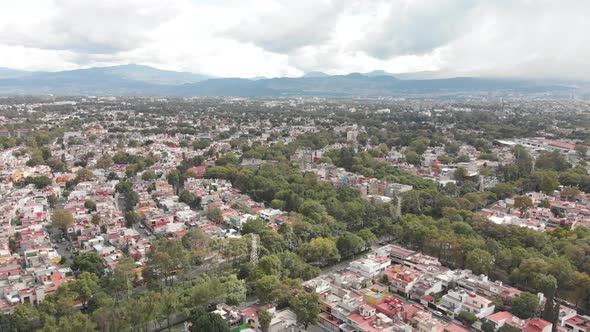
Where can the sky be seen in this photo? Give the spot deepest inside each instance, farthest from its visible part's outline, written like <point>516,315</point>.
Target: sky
<point>237,38</point>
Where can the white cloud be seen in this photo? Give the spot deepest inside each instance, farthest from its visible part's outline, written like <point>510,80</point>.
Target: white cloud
<point>286,38</point>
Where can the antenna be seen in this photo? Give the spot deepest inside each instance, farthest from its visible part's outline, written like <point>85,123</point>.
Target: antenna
<point>254,250</point>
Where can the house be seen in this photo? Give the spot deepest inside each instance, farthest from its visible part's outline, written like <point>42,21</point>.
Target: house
<point>503,317</point>
<point>283,321</point>
<point>371,266</point>
<point>457,301</point>
<point>401,278</point>
<point>537,325</point>
<point>578,323</point>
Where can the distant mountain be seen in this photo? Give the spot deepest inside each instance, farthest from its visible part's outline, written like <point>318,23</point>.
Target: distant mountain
<point>315,74</point>
<point>12,73</point>
<point>376,73</point>
<point>132,72</point>
<point>145,80</point>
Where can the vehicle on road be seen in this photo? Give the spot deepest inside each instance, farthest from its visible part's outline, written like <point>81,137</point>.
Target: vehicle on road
<point>437,313</point>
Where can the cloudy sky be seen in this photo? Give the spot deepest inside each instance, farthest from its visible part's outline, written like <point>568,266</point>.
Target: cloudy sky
<point>511,38</point>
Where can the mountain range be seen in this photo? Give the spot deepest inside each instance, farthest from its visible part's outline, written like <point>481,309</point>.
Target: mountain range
<point>144,80</point>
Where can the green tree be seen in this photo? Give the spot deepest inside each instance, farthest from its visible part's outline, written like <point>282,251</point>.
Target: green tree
<point>265,286</point>
<point>52,200</point>
<point>509,328</point>
<point>264,319</point>
<point>466,318</point>
<point>148,175</point>
<point>488,326</point>
<point>105,162</point>
<point>525,305</point>
<point>320,250</point>
<point>214,215</point>
<point>413,158</point>
<point>85,286</point>
<point>62,219</point>
<point>78,322</point>
<point>307,308</point>
<point>24,316</point>
<point>174,178</point>
<point>40,182</point>
<point>166,259</point>
<point>581,151</point>
<point>479,261</point>
<point>88,262</point>
<point>208,322</point>
<point>189,198</point>
<point>121,281</point>
<point>523,203</point>
<point>349,244</point>
<point>368,236</point>
<point>90,205</point>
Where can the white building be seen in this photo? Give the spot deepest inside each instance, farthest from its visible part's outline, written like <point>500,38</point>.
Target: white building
<point>459,300</point>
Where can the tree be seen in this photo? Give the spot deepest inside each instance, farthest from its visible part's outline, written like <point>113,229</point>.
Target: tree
<point>52,200</point>
<point>460,174</point>
<point>85,286</point>
<point>201,144</point>
<point>131,218</point>
<point>167,258</point>
<point>570,193</point>
<point>78,322</point>
<point>40,182</point>
<point>504,190</point>
<point>95,220</point>
<point>488,326</point>
<point>256,226</point>
<point>148,175</point>
<point>509,328</point>
<point>581,150</point>
<point>123,276</point>
<point>62,219</point>
<point>420,145</point>
<point>264,319</point>
<point>523,203</point>
<point>214,215</point>
<point>265,286</point>
<point>307,308</point>
<point>525,305</point>
<point>466,318</point>
<point>479,261</point>
<point>24,317</point>
<point>189,198</point>
<point>368,236</point>
<point>320,250</point>
<point>104,162</point>
<point>413,158</point>
<point>88,262</point>
<point>169,305</point>
<point>197,242</point>
<point>90,205</point>
<point>208,322</point>
<point>84,174</point>
<point>349,244</point>
<point>174,178</point>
